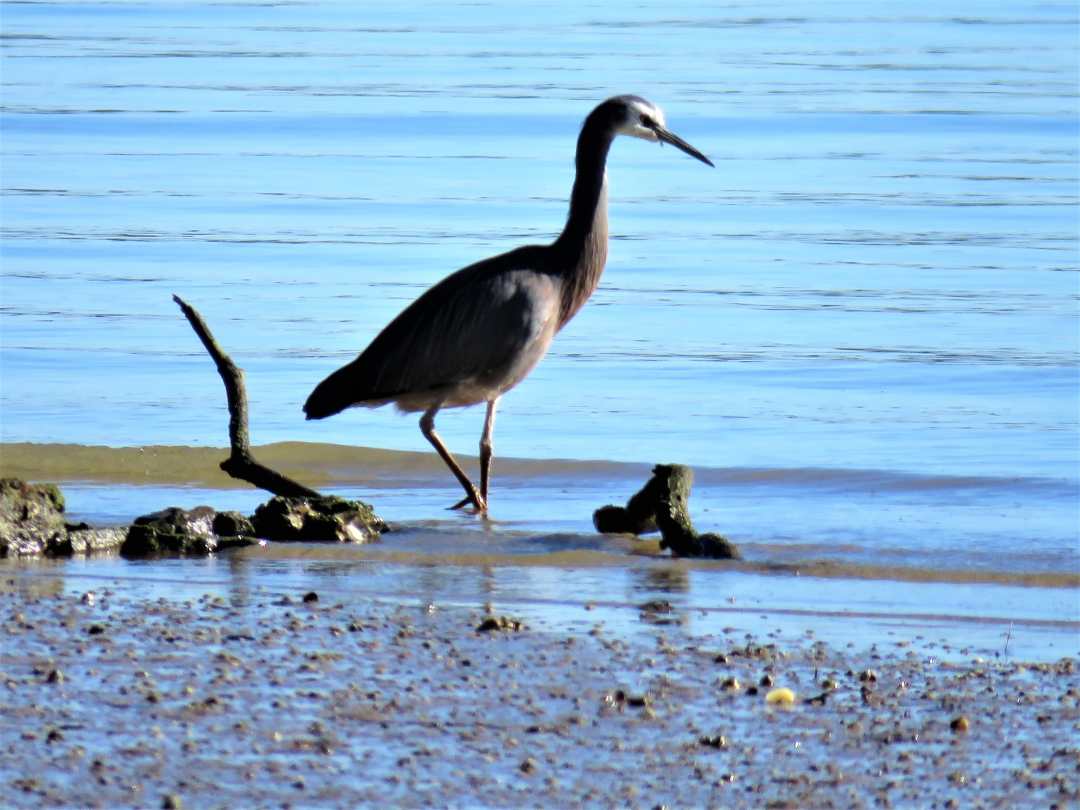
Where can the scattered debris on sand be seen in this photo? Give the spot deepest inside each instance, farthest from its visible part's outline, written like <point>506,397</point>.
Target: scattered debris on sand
<point>260,697</point>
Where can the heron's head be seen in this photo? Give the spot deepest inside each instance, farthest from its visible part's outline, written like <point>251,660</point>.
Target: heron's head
<point>640,118</point>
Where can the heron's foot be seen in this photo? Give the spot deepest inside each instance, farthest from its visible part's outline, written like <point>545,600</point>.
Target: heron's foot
<point>478,504</point>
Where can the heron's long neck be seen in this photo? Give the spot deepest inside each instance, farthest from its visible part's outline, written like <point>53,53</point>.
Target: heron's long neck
<point>581,248</point>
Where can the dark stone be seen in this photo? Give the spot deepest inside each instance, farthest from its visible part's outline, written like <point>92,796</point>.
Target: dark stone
<point>717,547</point>
<point>326,518</point>
<point>663,504</point>
<point>497,623</point>
<point>639,514</point>
<point>31,517</point>
<point>32,524</point>
<point>613,519</point>
<point>224,543</point>
<point>232,524</point>
<point>84,540</point>
<point>194,532</point>
<point>172,531</point>
<point>669,483</point>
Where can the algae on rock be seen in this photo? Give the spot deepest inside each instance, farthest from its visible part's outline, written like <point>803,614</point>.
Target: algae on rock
<point>317,519</point>
<point>31,517</point>
<point>663,504</point>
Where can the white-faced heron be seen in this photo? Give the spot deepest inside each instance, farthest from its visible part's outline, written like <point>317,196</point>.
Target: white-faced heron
<point>478,332</point>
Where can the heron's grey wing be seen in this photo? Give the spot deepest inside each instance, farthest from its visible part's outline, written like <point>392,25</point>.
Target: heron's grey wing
<point>480,328</point>
<point>473,335</point>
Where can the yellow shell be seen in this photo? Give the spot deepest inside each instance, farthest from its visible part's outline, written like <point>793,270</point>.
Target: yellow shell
<point>782,696</point>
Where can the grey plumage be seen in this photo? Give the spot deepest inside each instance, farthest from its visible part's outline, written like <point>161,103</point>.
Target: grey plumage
<point>442,344</point>
<point>478,332</point>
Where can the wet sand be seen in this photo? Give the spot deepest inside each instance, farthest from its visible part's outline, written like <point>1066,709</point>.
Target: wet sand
<point>117,699</point>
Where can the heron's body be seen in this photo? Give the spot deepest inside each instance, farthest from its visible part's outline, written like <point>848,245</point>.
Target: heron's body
<point>480,331</point>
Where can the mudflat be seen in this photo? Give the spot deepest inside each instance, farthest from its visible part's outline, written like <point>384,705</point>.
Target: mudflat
<point>300,700</point>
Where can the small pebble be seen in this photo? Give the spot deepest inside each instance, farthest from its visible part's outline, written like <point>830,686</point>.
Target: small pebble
<point>781,696</point>
<point>498,623</point>
<point>960,724</point>
<point>714,741</point>
<point>311,596</point>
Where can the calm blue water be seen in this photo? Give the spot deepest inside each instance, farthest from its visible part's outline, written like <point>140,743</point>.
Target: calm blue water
<point>878,279</point>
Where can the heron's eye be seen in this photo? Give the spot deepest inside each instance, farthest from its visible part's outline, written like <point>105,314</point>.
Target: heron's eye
<point>647,121</point>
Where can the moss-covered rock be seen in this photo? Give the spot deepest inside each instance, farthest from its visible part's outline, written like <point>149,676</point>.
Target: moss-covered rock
<point>172,531</point>
<point>84,540</point>
<point>328,518</point>
<point>663,503</point>
<point>31,517</point>
<point>232,524</point>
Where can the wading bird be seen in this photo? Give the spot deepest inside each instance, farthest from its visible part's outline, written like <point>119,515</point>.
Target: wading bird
<point>478,332</point>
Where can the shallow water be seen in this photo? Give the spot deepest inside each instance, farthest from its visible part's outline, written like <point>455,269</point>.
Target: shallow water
<point>860,328</point>
<point>558,581</point>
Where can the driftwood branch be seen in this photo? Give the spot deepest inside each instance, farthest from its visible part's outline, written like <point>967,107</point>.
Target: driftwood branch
<point>663,504</point>
<point>241,463</point>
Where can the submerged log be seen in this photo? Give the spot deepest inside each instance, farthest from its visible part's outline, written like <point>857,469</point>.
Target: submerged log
<point>663,504</point>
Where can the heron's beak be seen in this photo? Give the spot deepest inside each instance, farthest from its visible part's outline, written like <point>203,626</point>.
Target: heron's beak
<point>665,136</point>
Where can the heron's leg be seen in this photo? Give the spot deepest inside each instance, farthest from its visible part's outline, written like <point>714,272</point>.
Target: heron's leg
<point>486,448</point>
<point>427,427</point>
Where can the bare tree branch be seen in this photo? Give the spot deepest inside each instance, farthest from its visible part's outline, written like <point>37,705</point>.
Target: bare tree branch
<point>241,463</point>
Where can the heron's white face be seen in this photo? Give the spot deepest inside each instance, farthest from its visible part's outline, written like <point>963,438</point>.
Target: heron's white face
<point>642,118</point>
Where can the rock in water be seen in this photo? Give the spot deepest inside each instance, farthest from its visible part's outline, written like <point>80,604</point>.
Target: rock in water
<point>172,531</point>
<point>327,518</point>
<point>663,504</point>
<point>232,524</point>
<point>670,483</point>
<point>31,517</point>
<point>85,540</point>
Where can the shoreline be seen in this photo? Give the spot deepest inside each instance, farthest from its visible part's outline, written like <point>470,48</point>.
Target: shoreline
<point>539,513</point>
<point>380,468</point>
